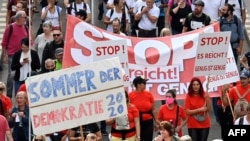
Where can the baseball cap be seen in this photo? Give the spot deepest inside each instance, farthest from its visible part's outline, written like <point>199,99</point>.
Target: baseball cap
<point>244,74</point>
<point>199,2</point>
<point>59,51</point>
<point>139,80</point>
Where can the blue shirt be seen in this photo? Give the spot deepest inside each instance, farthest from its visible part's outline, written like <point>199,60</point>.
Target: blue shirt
<point>158,3</point>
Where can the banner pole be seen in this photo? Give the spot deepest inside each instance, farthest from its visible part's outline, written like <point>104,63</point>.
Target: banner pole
<point>230,105</point>
<point>81,132</point>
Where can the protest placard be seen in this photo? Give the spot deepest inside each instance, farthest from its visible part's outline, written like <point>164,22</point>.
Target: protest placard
<point>114,48</point>
<point>211,56</point>
<point>168,62</point>
<point>76,96</point>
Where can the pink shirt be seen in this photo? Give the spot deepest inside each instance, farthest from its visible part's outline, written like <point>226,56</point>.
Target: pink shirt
<point>13,44</point>
<point>3,128</point>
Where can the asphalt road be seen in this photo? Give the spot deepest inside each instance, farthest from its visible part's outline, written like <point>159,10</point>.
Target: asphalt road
<point>214,130</point>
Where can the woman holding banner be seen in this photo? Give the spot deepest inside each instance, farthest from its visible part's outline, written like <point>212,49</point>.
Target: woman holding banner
<point>20,118</point>
<point>197,105</point>
<point>126,127</point>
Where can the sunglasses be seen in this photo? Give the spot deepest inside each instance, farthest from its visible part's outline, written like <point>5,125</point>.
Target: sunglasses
<point>38,139</point>
<point>1,89</point>
<point>56,35</point>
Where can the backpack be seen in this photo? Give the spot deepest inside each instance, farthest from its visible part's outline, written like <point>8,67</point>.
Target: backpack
<point>69,9</point>
<point>241,104</point>
<point>226,1</point>
<point>235,21</point>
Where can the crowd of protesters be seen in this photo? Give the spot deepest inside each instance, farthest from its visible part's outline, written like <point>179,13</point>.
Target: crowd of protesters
<point>41,51</point>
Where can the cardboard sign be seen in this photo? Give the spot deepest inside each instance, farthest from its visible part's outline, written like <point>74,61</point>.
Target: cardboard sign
<point>76,96</point>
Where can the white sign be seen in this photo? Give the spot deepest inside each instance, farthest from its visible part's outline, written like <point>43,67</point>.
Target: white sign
<point>76,96</point>
<point>113,48</point>
<point>211,56</point>
<point>231,75</point>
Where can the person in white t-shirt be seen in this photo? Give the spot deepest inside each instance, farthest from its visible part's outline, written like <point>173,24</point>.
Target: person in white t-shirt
<point>148,17</point>
<point>244,120</point>
<point>117,12</point>
<point>78,5</point>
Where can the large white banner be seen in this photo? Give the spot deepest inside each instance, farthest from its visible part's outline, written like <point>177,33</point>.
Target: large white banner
<point>76,96</point>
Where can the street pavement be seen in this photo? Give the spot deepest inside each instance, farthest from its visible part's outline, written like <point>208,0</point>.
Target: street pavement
<point>215,128</point>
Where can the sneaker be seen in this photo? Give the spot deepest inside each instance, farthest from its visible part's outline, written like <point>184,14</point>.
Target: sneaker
<point>105,133</point>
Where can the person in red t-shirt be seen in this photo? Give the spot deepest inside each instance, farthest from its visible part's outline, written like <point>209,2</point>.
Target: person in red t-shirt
<point>6,101</point>
<point>5,130</point>
<point>126,127</point>
<point>144,102</point>
<point>171,111</point>
<point>197,106</point>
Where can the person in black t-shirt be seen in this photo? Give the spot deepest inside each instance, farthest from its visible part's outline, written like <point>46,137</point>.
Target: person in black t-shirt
<point>197,19</point>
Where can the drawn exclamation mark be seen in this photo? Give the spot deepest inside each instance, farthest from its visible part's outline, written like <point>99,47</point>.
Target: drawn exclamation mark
<point>123,48</point>
<point>175,73</point>
<point>226,41</point>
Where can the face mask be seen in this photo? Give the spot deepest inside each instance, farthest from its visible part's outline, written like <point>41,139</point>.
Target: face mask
<point>169,100</point>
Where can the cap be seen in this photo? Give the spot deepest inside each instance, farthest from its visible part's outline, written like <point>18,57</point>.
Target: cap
<point>199,2</point>
<point>244,74</point>
<point>59,51</point>
<point>139,80</point>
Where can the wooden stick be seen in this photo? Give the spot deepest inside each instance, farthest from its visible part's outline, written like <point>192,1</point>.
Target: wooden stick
<point>81,132</point>
<point>230,105</point>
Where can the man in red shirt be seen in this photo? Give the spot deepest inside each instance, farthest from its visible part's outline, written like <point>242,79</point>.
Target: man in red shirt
<point>11,43</point>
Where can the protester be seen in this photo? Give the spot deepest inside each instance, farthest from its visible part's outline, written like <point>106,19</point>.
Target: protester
<point>24,61</point>
<point>5,130</point>
<point>52,13</point>
<point>20,118</point>
<point>240,91</point>
<point>197,19</point>
<point>146,108</point>
<point>197,105</point>
<point>239,6</point>
<point>81,14</point>
<point>39,138</point>
<point>126,127</point>
<point>77,5</point>
<point>13,35</point>
<point>166,132</point>
<point>49,50</point>
<point>75,133</point>
<point>229,22</point>
<point>91,137</point>
<point>185,138</point>
<point>244,120</point>
<point>161,4</point>
<point>148,17</point>
<point>225,112</point>
<point>59,58</point>
<point>116,24</point>
<point>165,32</point>
<point>49,65</point>
<point>6,102</point>
<point>173,112</point>
<point>44,38</point>
<point>117,12</point>
<point>178,12</point>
